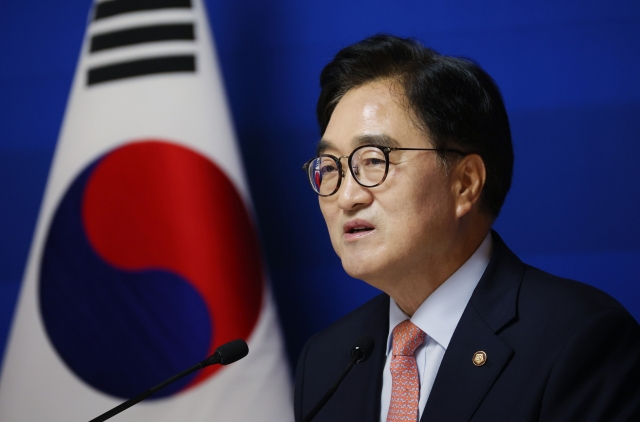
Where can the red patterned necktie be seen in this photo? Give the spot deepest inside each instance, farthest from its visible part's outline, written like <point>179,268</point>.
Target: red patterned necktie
<point>405,391</point>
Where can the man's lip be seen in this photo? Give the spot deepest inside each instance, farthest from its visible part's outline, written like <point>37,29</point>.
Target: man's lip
<point>357,226</point>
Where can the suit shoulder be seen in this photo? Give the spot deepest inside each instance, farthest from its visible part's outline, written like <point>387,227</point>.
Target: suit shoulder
<point>571,292</point>
<point>566,302</point>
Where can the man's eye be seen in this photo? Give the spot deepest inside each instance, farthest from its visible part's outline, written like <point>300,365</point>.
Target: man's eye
<point>373,162</point>
<point>328,169</point>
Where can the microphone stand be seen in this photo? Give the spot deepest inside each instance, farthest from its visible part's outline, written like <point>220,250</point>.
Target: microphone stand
<point>140,397</point>
<point>359,353</point>
<point>331,391</point>
<point>225,354</point>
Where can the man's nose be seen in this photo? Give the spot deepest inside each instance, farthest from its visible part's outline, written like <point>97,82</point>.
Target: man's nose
<point>351,194</point>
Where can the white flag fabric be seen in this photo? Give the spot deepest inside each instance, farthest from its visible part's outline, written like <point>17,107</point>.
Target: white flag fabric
<point>145,257</point>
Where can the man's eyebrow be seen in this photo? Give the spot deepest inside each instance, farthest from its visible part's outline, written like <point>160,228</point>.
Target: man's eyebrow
<point>381,139</point>
<point>323,145</point>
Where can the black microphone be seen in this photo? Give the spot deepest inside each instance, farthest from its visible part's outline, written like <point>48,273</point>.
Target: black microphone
<point>360,351</point>
<point>224,355</point>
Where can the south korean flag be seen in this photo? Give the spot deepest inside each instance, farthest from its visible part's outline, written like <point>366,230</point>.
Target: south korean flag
<point>145,257</point>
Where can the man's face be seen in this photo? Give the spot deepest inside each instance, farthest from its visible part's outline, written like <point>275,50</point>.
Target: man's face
<point>404,226</point>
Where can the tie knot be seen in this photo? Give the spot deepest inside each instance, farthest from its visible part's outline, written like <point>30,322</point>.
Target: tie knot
<point>407,338</point>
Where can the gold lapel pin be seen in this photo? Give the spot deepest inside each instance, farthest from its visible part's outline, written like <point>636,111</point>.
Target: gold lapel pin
<point>479,358</point>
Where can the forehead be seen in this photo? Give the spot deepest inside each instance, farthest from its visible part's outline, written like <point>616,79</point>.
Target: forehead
<point>374,113</point>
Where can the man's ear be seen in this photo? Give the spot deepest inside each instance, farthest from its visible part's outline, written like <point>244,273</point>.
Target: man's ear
<point>469,175</point>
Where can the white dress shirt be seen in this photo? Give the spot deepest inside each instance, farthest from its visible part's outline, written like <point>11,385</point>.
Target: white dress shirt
<point>438,317</point>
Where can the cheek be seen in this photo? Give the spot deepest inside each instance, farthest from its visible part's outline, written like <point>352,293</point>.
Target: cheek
<point>420,207</point>
<point>330,214</point>
<point>327,210</point>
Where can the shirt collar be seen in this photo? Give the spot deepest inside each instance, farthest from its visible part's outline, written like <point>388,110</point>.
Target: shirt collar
<point>439,314</point>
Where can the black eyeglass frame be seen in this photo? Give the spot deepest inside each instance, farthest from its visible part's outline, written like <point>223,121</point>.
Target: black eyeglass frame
<point>385,151</point>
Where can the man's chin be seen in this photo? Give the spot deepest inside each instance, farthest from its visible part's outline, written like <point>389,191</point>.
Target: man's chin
<point>354,271</point>
<point>364,270</point>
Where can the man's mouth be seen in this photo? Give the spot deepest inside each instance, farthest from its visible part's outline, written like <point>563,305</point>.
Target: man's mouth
<point>357,227</point>
<point>360,229</point>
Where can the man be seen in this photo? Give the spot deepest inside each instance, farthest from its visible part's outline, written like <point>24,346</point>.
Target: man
<point>414,164</point>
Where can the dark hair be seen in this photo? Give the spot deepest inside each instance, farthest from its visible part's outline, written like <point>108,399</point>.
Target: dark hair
<point>455,101</point>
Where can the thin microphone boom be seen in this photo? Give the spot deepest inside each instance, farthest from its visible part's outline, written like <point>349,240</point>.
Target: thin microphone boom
<point>224,355</point>
<point>360,351</point>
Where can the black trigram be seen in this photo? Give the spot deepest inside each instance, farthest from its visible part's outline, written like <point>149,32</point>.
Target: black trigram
<point>139,35</point>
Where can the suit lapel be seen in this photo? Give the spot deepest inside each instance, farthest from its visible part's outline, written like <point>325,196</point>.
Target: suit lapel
<point>460,385</point>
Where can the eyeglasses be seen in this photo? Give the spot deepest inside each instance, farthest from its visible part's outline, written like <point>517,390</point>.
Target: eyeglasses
<point>369,165</point>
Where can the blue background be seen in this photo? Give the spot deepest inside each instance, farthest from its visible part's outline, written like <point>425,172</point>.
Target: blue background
<point>568,71</point>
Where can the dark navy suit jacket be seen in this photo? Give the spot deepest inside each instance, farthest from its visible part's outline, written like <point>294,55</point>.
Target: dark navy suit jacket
<point>557,350</point>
